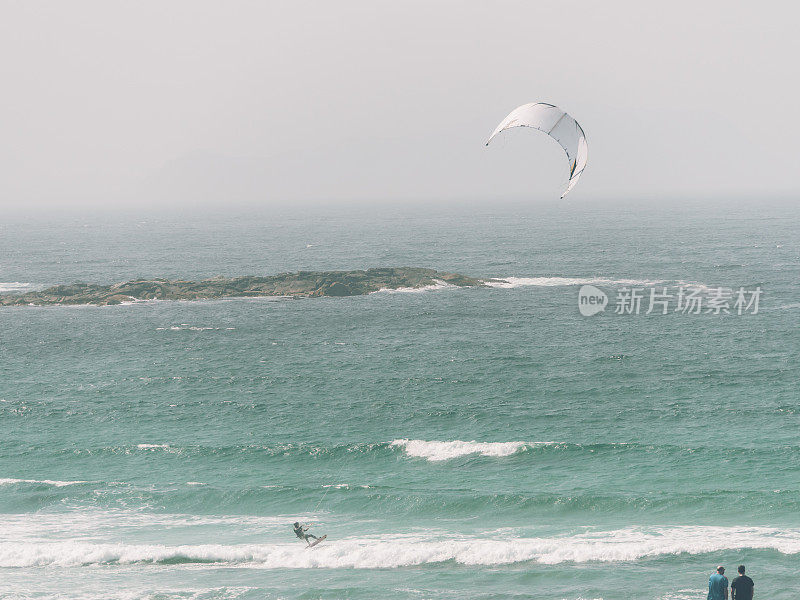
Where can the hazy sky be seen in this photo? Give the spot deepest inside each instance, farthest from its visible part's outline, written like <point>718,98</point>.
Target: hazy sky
<point>283,101</point>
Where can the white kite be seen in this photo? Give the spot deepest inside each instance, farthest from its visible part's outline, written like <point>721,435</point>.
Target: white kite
<point>558,125</point>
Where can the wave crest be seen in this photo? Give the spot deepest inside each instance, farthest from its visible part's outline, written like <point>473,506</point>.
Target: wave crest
<point>514,282</point>
<point>54,483</point>
<point>437,451</point>
<point>14,286</point>
<point>439,285</point>
<point>400,551</point>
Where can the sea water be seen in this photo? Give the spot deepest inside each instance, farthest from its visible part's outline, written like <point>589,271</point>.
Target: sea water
<point>453,443</point>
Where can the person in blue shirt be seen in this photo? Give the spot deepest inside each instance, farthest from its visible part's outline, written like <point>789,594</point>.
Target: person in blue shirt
<point>718,585</point>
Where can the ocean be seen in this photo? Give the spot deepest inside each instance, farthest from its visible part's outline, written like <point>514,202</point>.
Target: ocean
<point>479,443</point>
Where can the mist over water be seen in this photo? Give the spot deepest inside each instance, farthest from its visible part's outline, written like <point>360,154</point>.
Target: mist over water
<point>483,443</point>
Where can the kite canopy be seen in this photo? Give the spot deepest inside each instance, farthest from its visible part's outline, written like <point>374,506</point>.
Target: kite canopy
<point>558,125</point>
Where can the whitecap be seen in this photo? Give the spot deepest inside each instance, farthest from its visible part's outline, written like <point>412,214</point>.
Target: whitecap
<point>14,286</point>
<point>439,285</point>
<point>514,282</point>
<point>55,483</point>
<point>438,450</point>
<point>393,551</point>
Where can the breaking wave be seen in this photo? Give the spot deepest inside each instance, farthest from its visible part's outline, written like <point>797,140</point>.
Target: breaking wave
<point>382,552</point>
<point>14,286</point>
<point>430,449</point>
<point>437,451</point>
<point>99,592</point>
<point>439,285</point>
<point>186,327</point>
<point>54,483</point>
<point>514,282</point>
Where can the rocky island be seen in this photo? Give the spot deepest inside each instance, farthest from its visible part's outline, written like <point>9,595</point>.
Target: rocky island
<point>301,284</point>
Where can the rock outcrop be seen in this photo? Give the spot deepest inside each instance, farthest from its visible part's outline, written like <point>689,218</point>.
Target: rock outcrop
<point>302,284</point>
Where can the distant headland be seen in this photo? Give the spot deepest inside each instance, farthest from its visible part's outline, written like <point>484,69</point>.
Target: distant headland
<point>300,284</point>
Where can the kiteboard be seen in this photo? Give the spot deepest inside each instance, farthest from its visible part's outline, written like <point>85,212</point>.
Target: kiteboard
<point>317,541</point>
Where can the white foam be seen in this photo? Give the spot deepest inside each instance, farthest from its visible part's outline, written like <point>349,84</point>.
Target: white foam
<point>436,450</point>
<point>439,285</point>
<point>341,486</point>
<point>785,306</point>
<point>98,590</point>
<point>152,446</point>
<point>185,327</point>
<point>700,287</point>
<point>14,286</point>
<point>96,525</point>
<point>514,282</point>
<point>133,300</point>
<point>384,551</point>
<point>55,483</point>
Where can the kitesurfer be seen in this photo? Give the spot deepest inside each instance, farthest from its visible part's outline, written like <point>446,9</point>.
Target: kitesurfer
<point>300,532</point>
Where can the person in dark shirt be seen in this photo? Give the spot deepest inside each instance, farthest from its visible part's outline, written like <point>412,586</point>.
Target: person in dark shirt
<point>300,531</point>
<point>742,586</point>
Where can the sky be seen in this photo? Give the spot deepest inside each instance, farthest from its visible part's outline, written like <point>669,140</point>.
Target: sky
<point>187,102</point>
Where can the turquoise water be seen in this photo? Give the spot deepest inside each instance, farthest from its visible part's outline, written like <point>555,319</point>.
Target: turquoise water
<point>480,443</point>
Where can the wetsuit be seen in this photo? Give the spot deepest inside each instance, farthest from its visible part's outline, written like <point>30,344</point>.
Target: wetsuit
<point>300,532</point>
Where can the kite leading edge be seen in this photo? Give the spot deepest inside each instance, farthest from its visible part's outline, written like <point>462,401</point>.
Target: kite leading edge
<point>557,124</point>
